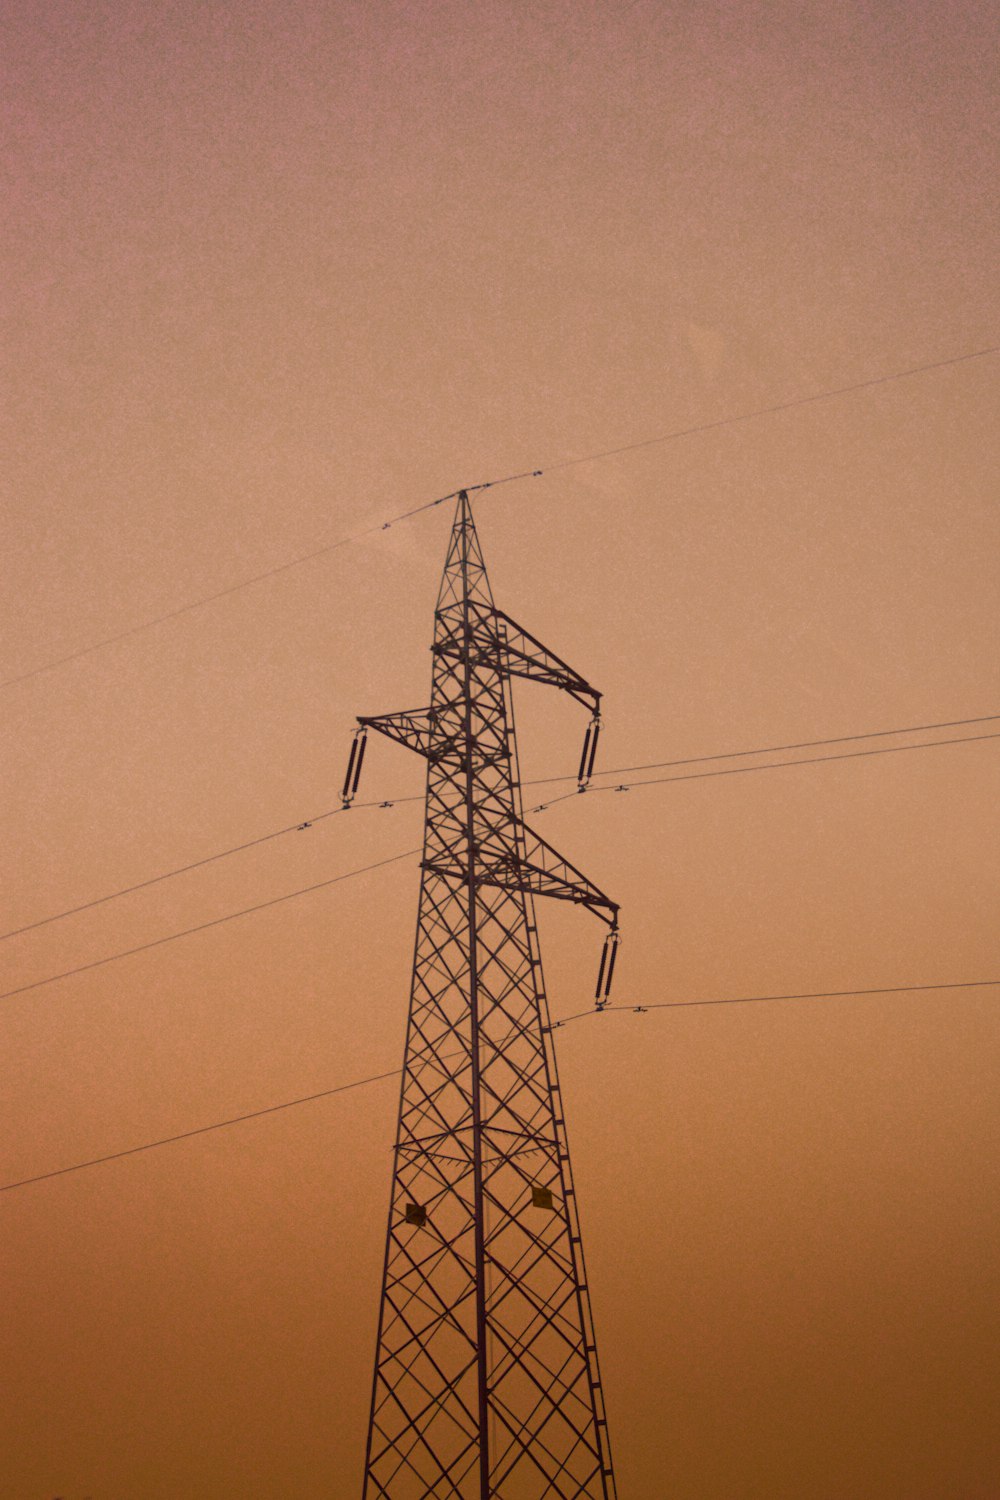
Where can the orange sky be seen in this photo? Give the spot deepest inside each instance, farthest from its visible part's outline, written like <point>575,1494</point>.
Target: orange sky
<point>275,273</point>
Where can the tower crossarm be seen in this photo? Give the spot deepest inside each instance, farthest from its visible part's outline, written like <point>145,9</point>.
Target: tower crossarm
<point>543,871</point>
<point>529,865</point>
<point>412,727</point>
<point>423,730</point>
<point>499,642</point>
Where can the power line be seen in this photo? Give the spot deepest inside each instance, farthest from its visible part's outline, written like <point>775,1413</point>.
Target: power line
<point>256,1114</point>
<point>783,765</point>
<point>538,781</point>
<point>535,473</point>
<point>838,739</point>
<point>410,853</point>
<point>234,588</point>
<point>196,864</point>
<point>767,411</point>
<point>203,926</point>
<point>142,885</point>
<point>186,1135</point>
<point>891,989</point>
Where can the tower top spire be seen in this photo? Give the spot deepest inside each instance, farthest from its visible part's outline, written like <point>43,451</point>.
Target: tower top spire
<point>464,570</point>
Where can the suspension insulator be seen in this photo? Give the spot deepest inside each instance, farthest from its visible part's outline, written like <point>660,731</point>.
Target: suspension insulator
<point>362,746</point>
<point>615,943</point>
<point>354,766</point>
<point>593,746</point>
<point>604,976</point>
<point>589,751</point>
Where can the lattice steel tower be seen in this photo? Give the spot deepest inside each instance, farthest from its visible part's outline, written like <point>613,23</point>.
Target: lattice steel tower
<point>486,1379</point>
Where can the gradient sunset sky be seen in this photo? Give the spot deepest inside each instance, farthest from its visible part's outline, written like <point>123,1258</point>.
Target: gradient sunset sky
<point>274,273</point>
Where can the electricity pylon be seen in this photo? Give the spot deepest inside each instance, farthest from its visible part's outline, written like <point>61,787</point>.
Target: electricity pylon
<point>486,1379</point>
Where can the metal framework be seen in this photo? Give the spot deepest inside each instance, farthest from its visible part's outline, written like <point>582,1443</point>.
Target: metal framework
<point>486,1381</point>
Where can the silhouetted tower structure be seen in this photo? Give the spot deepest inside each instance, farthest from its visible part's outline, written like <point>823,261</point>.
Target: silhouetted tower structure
<point>486,1379</point>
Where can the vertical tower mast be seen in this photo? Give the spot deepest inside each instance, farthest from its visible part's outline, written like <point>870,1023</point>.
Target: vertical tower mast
<point>486,1381</point>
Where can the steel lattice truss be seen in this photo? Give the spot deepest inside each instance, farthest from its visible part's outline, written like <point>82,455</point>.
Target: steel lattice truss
<point>486,1379</point>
